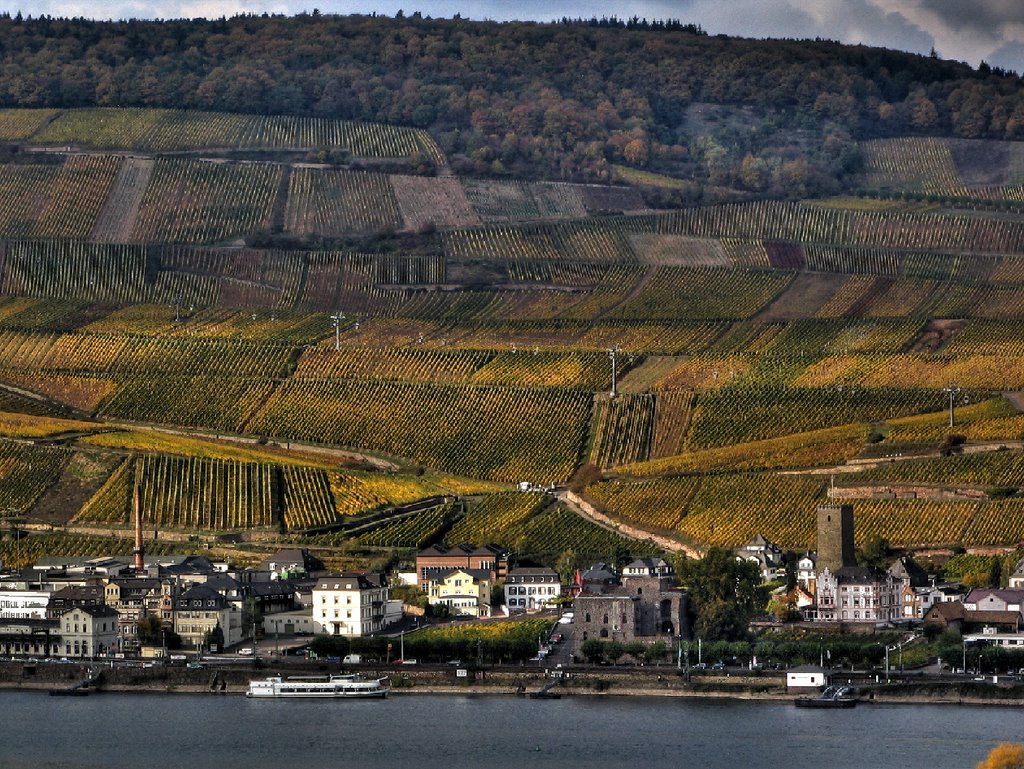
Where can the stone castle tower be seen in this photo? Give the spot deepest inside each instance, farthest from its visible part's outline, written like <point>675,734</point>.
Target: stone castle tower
<point>835,537</point>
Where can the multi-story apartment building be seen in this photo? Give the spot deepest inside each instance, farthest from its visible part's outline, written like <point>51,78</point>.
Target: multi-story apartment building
<point>350,604</point>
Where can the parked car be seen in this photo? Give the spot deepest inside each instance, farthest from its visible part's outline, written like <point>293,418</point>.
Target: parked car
<point>246,651</point>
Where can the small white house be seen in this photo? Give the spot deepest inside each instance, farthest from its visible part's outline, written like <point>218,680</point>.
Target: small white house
<point>807,677</point>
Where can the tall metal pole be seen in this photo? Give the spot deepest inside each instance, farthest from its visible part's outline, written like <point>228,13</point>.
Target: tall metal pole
<point>336,320</point>
<point>953,391</point>
<point>612,353</point>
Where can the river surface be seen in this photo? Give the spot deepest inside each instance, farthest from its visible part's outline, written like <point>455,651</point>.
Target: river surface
<point>185,731</point>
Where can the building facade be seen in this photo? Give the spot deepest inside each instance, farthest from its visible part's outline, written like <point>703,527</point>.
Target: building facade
<point>858,594</point>
<point>466,592</point>
<point>529,588</point>
<point>89,631</point>
<point>350,604</point>
<point>437,559</point>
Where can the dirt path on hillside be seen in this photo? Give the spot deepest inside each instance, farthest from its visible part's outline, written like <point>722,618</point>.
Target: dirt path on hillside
<point>587,511</point>
<point>859,465</point>
<point>117,220</point>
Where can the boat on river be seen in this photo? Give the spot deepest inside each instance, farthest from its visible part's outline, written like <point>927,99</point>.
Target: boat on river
<point>331,687</point>
<point>831,697</point>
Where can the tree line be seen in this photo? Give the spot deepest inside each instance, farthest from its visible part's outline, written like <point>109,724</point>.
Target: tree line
<point>569,100</point>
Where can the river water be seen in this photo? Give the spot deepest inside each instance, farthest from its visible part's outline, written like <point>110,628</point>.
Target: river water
<point>185,731</point>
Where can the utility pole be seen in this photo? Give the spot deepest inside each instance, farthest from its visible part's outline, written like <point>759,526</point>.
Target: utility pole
<point>953,391</point>
<point>613,353</point>
<point>336,320</point>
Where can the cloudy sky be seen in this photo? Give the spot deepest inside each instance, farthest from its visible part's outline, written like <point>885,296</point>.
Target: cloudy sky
<point>967,30</point>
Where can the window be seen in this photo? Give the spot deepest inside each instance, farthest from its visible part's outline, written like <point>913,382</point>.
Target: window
<point>605,620</point>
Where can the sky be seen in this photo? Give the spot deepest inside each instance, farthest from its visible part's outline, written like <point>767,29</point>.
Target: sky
<point>965,30</point>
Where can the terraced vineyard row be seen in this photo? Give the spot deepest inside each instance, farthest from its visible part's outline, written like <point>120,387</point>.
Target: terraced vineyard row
<point>806,223</point>
<point>203,202</point>
<point>741,414</point>
<point>416,531</point>
<point>269,326</point>
<point>697,294</point>
<point>998,468</point>
<point>215,403</point>
<point>660,504</point>
<point>976,372</point>
<point>26,472</point>
<point>308,500</point>
<point>165,130</point>
<point>622,430</point>
<point>47,201</point>
<point>550,533</point>
<point>356,492</point>
<point>525,368</point>
<point>140,356</point>
<point>574,241</point>
<point>185,493</point>
<point>19,124</point>
<point>338,202</point>
<point>922,164</point>
<point>411,365</point>
<point>453,428</point>
<point>497,518</point>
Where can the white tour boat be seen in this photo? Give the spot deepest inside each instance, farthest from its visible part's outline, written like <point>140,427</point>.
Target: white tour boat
<point>349,686</point>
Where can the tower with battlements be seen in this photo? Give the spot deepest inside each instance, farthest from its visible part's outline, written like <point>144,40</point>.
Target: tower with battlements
<point>835,537</point>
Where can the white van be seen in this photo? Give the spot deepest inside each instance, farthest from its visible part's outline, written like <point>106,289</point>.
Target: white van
<point>352,659</point>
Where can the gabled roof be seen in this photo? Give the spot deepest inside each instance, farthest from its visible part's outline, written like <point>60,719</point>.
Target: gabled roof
<point>859,575</point>
<point>906,568</point>
<point>477,575</point>
<point>532,571</point>
<point>599,572</point>
<point>99,610</point>
<point>1009,595</point>
<point>949,611</point>
<point>464,549</point>
<point>348,580</point>
<point>205,594</point>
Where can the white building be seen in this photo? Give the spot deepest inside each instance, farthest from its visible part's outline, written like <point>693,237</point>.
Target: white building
<point>350,604</point>
<point>856,594</point>
<point>531,588</point>
<point>89,631</point>
<point>806,677</point>
<point>23,604</point>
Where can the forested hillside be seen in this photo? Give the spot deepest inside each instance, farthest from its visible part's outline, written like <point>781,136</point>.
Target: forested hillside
<point>570,101</point>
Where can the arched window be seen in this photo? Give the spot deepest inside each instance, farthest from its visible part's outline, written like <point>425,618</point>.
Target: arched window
<point>604,632</point>
<point>605,620</point>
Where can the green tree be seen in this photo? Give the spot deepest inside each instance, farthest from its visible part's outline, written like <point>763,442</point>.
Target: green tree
<point>149,630</point>
<point>875,551</point>
<point>725,594</point>
<point>592,650</point>
<point>614,650</point>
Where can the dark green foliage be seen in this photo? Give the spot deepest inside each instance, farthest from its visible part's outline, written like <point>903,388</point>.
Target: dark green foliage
<point>570,99</point>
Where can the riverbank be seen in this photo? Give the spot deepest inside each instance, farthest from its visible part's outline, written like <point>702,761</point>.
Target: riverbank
<point>510,681</point>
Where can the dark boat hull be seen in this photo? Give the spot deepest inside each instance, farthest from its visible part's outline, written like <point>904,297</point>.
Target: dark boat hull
<point>818,702</point>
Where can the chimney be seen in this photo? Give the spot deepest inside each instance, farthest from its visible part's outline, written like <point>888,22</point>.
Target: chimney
<point>137,510</point>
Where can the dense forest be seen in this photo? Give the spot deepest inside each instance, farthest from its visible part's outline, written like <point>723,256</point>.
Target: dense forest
<point>572,101</point>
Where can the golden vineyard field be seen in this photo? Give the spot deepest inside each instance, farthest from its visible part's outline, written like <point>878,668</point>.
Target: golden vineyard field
<point>767,354</point>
